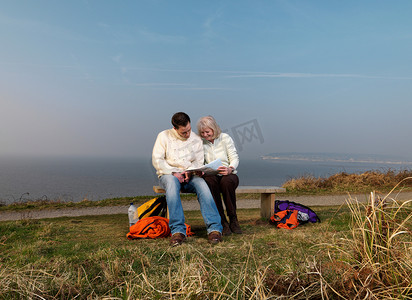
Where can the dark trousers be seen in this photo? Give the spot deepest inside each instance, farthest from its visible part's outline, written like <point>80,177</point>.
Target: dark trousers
<point>225,185</point>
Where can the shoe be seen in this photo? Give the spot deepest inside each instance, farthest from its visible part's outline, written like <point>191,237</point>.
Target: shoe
<point>177,239</point>
<point>234,226</point>
<point>226,229</point>
<point>215,237</point>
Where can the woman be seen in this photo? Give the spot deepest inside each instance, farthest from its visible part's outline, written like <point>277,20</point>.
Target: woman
<point>220,145</point>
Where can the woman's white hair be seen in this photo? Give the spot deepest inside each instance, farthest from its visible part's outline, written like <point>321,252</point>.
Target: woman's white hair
<point>208,122</point>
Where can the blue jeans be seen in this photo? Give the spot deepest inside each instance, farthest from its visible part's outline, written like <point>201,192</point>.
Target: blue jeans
<point>196,185</point>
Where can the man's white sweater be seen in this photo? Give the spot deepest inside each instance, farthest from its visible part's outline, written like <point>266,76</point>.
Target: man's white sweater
<point>173,153</point>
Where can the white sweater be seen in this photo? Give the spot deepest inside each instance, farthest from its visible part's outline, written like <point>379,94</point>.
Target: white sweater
<point>173,153</point>
<point>224,148</point>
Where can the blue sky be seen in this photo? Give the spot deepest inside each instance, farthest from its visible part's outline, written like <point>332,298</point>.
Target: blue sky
<point>102,78</point>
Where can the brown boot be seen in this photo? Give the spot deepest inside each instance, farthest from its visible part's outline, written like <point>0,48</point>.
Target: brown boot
<point>226,229</point>
<point>177,239</point>
<point>215,237</point>
<point>234,225</point>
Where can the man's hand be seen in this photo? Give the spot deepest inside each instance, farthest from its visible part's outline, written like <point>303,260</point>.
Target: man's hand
<point>187,176</point>
<point>183,176</point>
<point>179,176</point>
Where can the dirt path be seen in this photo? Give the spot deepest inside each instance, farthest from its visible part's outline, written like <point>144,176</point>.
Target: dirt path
<point>187,205</point>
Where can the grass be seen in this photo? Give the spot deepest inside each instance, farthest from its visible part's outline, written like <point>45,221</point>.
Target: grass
<point>343,182</point>
<point>378,265</point>
<point>90,258</point>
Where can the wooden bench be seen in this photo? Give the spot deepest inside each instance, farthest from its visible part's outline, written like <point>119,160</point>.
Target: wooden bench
<point>267,196</point>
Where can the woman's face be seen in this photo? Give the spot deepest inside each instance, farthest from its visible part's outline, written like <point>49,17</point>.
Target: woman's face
<point>207,134</point>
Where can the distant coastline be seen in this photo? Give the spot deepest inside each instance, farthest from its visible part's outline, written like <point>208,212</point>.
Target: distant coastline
<point>338,158</point>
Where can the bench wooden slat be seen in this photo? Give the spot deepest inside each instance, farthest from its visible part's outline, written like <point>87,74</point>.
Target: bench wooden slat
<point>259,189</point>
<point>267,196</point>
<point>158,189</point>
<point>241,189</point>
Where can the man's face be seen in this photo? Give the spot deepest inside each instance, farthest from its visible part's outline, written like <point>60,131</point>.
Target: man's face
<point>184,131</point>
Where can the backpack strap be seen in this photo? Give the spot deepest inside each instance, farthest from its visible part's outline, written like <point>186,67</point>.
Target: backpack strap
<point>153,207</point>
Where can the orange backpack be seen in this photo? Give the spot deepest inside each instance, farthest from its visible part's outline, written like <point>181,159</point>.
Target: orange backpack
<point>287,219</point>
<point>151,228</point>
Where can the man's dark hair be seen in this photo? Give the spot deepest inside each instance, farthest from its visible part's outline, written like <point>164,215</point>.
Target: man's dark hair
<point>180,119</point>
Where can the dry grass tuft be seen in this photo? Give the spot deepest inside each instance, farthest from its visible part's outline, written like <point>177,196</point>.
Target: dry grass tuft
<point>345,182</point>
<point>375,261</point>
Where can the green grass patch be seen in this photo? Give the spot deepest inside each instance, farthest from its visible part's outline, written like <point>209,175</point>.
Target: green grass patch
<point>90,257</point>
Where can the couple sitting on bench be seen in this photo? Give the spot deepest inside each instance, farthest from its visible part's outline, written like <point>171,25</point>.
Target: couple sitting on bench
<point>179,149</point>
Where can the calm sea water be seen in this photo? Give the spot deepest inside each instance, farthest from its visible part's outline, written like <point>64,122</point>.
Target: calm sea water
<point>74,179</point>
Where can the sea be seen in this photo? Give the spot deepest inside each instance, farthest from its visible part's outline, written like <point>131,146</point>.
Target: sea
<point>75,179</point>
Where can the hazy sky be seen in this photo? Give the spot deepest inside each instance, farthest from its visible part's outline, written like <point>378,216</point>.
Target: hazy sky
<point>102,78</point>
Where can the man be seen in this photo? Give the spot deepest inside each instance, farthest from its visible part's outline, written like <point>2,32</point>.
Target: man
<point>175,151</point>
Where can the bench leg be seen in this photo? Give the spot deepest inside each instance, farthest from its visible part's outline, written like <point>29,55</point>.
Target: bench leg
<point>267,205</point>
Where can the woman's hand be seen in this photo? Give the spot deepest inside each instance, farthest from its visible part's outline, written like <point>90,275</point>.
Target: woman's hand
<point>225,170</point>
